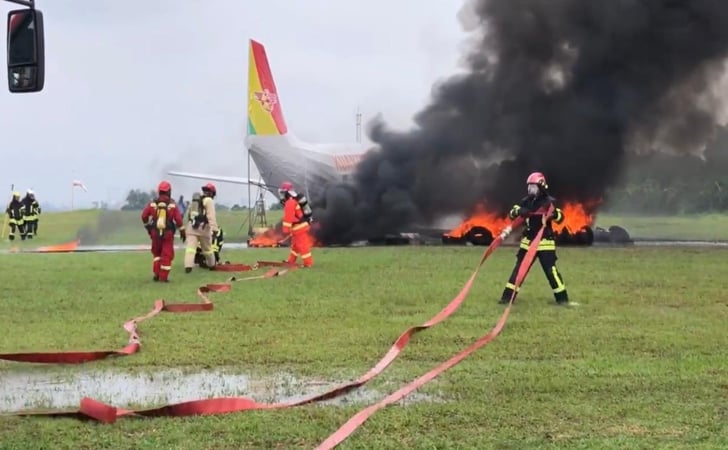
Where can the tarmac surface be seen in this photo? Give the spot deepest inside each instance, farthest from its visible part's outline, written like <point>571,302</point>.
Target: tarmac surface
<point>63,248</point>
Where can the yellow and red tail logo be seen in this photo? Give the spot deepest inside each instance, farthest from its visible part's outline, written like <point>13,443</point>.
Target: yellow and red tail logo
<point>265,116</point>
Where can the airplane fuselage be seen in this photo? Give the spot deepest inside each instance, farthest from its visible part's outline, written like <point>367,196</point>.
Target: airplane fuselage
<point>310,167</point>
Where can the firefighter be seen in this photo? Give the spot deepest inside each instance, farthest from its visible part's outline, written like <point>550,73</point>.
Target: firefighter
<point>533,208</point>
<point>218,239</point>
<point>201,226</point>
<point>296,221</point>
<point>166,219</point>
<point>31,213</point>
<point>14,212</point>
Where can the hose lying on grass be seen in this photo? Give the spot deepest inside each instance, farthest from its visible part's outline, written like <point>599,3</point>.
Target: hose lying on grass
<point>105,413</point>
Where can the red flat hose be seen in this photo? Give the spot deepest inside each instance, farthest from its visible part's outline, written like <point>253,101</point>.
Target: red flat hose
<point>359,418</point>
<point>105,413</point>
<point>130,326</point>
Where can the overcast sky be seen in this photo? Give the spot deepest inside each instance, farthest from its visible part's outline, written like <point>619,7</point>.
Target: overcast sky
<point>133,88</point>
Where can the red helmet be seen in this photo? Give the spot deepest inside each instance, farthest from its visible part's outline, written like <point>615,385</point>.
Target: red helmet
<point>164,186</point>
<point>210,187</point>
<point>537,178</point>
<point>286,186</point>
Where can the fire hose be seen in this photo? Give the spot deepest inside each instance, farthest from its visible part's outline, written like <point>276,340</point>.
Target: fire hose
<point>105,413</point>
<point>359,418</point>
<point>91,408</point>
<point>130,326</point>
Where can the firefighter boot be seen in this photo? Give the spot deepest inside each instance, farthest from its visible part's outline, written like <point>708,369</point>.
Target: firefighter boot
<point>507,293</point>
<point>562,299</point>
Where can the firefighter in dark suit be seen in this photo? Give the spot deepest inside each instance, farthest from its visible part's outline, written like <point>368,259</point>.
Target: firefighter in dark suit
<point>14,211</point>
<point>533,208</point>
<point>31,214</point>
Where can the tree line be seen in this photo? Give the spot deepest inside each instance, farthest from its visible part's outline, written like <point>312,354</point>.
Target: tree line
<point>137,199</point>
<point>669,184</point>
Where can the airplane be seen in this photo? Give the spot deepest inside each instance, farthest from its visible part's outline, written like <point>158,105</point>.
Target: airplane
<point>280,156</point>
<point>275,150</point>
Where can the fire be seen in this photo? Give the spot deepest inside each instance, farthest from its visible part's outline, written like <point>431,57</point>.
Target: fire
<point>576,218</point>
<point>481,217</point>
<point>268,238</point>
<point>274,237</point>
<point>482,225</point>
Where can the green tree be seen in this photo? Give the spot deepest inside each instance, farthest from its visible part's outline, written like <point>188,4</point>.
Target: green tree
<point>137,199</point>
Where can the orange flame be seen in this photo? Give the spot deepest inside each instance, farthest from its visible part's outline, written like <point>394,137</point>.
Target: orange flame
<point>480,218</point>
<point>269,238</point>
<point>274,237</point>
<point>576,217</point>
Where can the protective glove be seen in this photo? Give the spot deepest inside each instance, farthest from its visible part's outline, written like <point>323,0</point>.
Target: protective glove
<point>506,231</point>
<point>523,212</point>
<point>183,235</point>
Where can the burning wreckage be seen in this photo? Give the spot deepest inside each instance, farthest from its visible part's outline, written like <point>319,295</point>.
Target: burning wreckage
<point>479,229</point>
<point>578,229</point>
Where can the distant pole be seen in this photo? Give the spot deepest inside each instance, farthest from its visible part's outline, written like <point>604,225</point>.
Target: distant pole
<point>250,208</point>
<point>358,125</point>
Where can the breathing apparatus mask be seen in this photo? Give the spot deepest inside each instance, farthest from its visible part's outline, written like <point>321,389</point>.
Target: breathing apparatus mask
<point>533,190</point>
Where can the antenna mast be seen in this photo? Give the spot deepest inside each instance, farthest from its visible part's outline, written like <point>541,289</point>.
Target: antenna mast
<point>358,125</point>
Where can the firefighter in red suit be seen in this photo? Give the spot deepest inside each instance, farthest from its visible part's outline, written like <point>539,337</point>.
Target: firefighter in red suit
<point>297,222</point>
<point>162,218</point>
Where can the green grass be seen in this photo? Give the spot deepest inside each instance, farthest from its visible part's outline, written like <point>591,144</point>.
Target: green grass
<point>639,364</point>
<point>99,227</point>
<point>710,227</point>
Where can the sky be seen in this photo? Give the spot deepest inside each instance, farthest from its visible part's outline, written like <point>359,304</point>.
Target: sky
<point>134,88</point>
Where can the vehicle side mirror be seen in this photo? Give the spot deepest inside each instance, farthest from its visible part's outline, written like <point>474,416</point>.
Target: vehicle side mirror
<point>26,53</point>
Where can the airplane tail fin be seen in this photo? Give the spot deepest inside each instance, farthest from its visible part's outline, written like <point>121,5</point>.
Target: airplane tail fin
<point>265,116</point>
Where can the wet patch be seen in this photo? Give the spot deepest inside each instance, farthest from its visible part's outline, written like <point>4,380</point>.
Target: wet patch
<point>24,391</point>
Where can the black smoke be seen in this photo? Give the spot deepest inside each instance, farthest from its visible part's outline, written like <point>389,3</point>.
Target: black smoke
<point>565,87</point>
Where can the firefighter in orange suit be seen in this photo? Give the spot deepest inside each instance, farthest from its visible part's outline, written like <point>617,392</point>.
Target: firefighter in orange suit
<point>297,222</point>
<point>162,218</point>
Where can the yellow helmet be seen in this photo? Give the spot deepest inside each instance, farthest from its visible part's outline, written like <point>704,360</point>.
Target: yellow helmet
<point>16,194</point>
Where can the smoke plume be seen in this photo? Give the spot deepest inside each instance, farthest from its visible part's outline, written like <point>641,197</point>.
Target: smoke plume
<point>565,87</point>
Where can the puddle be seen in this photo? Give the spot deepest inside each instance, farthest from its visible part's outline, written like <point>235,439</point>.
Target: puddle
<point>21,391</point>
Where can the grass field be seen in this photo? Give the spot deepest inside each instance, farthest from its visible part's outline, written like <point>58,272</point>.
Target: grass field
<point>639,364</point>
<point>710,227</point>
<point>100,227</point>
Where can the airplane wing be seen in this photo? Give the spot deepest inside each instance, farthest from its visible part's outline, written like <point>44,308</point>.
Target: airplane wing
<point>223,178</point>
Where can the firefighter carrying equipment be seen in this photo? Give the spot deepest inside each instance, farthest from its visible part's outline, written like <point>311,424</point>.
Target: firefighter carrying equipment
<point>14,212</point>
<point>162,218</point>
<point>201,225</point>
<point>298,225</point>
<point>285,191</point>
<point>31,212</point>
<point>533,208</point>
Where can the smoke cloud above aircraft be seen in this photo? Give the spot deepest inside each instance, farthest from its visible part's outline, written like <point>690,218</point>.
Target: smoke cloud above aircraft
<point>565,87</point>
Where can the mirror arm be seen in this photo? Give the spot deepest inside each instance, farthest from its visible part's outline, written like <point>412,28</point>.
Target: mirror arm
<point>29,3</point>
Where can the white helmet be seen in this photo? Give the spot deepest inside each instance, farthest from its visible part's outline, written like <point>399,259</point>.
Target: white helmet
<point>30,192</point>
